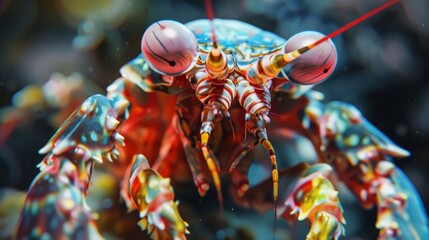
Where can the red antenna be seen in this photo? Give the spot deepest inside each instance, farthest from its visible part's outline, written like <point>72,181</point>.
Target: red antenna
<point>290,56</point>
<point>210,15</point>
<point>356,21</point>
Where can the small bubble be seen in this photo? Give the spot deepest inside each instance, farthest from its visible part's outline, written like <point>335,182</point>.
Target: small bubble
<point>232,209</point>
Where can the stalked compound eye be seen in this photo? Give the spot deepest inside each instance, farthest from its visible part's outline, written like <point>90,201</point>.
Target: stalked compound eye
<point>169,47</point>
<point>313,66</point>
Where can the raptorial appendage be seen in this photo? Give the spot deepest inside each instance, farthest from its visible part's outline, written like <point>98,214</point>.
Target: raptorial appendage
<point>305,192</point>
<point>91,129</point>
<point>153,196</point>
<point>361,156</point>
<point>400,210</point>
<point>313,197</point>
<point>55,206</point>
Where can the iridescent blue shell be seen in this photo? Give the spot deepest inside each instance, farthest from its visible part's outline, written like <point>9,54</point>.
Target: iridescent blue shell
<point>235,37</point>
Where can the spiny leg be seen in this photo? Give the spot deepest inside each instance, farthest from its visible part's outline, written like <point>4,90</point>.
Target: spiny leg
<point>153,196</point>
<point>361,155</point>
<point>315,198</point>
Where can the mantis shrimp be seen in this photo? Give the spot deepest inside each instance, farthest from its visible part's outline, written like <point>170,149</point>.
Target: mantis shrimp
<point>203,93</point>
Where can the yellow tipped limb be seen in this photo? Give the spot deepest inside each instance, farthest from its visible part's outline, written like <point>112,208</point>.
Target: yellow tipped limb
<point>212,167</point>
<point>275,175</point>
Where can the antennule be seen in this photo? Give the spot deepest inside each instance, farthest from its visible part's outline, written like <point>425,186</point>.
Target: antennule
<point>270,65</point>
<point>217,63</point>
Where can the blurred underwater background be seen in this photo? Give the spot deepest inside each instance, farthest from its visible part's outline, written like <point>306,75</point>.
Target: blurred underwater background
<point>77,48</point>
